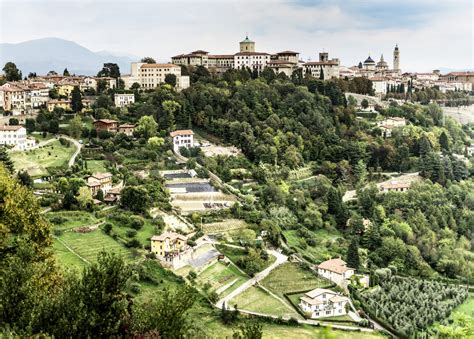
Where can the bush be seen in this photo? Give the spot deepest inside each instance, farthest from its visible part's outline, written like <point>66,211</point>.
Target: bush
<point>107,228</point>
<point>57,232</point>
<point>136,222</point>
<point>58,219</point>
<point>135,288</point>
<point>131,233</point>
<point>213,297</point>
<point>133,243</point>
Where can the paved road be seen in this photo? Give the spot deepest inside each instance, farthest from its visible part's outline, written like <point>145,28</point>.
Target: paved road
<point>280,259</point>
<point>76,153</point>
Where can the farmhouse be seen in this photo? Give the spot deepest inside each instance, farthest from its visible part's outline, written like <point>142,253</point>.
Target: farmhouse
<point>106,125</point>
<point>394,186</point>
<point>321,302</point>
<point>182,138</point>
<point>335,270</point>
<point>126,129</point>
<point>170,247</point>
<point>100,181</point>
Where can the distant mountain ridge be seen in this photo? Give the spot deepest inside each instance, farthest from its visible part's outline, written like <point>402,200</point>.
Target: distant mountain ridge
<point>44,55</point>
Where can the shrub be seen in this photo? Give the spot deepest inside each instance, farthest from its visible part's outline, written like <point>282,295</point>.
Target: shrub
<point>107,228</point>
<point>57,232</point>
<point>58,219</point>
<point>136,222</point>
<point>135,287</point>
<point>133,243</point>
<point>131,233</point>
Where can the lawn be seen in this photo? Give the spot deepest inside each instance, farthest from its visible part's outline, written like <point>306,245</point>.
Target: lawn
<point>144,234</point>
<point>88,245</point>
<point>37,161</point>
<point>257,300</point>
<point>329,243</point>
<point>96,166</point>
<point>66,258</point>
<point>65,220</point>
<point>219,275</point>
<point>234,254</point>
<point>291,277</point>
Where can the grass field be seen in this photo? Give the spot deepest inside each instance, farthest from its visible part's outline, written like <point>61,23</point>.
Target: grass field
<point>328,244</point>
<point>96,166</point>
<point>88,245</point>
<point>290,277</point>
<point>224,226</point>
<point>257,300</point>
<point>36,161</point>
<point>66,258</point>
<point>64,220</point>
<point>143,234</point>
<point>219,275</point>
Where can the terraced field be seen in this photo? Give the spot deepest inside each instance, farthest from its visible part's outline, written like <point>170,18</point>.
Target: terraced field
<point>88,245</point>
<point>218,275</point>
<point>224,226</point>
<point>290,277</point>
<point>65,220</point>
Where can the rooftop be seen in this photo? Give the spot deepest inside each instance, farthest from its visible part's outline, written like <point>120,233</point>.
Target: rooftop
<point>10,128</point>
<point>168,235</point>
<point>159,66</point>
<point>181,132</point>
<point>336,265</point>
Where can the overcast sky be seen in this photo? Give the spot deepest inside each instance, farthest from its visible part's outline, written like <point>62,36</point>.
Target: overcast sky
<point>430,33</point>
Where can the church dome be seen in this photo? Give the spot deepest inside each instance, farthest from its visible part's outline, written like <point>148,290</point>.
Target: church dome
<point>246,40</point>
<point>369,61</point>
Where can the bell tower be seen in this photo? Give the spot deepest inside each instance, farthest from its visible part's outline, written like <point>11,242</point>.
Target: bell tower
<point>396,59</point>
<point>247,45</point>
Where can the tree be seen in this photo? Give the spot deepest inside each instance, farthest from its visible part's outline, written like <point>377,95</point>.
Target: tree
<point>110,69</point>
<point>75,127</point>
<point>135,198</point>
<point>12,73</point>
<point>321,73</point>
<point>76,99</point>
<point>13,122</point>
<point>167,315</point>
<point>25,179</point>
<point>5,160</point>
<point>100,195</point>
<point>364,103</point>
<point>170,79</point>
<point>444,142</point>
<point>170,107</point>
<point>360,172</point>
<point>353,255</point>
<point>148,60</point>
<point>146,126</point>
<point>249,330</point>
<point>66,72</point>
<point>156,142</point>
<point>84,197</point>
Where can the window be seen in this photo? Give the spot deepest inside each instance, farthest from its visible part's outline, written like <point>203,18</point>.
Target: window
<point>328,312</point>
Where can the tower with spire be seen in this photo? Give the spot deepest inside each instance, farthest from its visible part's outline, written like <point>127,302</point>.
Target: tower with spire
<point>247,45</point>
<point>396,59</point>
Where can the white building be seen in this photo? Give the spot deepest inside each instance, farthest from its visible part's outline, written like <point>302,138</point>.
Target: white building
<point>123,99</point>
<point>379,84</point>
<point>393,122</point>
<point>149,76</point>
<point>320,303</point>
<point>182,138</point>
<point>15,136</point>
<point>335,270</point>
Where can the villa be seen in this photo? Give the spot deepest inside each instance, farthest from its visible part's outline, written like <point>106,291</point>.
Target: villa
<point>182,138</point>
<point>100,181</point>
<point>170,248</point>
<point>335,270</point>
<point>320,303</point>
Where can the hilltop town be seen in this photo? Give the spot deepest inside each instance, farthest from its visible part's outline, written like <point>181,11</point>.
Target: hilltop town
<point>305,195</point>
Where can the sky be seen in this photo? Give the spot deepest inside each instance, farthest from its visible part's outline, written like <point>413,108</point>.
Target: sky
<point>430,33</point>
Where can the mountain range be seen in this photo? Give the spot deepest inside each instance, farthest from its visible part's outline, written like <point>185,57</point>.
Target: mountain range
<point>44,55</point>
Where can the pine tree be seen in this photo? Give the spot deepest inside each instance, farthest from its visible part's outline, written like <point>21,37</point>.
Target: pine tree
<point>6,161</point>
<point>353,259</point>
<point>76,99</point>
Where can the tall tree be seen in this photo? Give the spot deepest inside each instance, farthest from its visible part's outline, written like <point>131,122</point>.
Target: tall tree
<point>12,73</point>
<point>66,72</point>
<point>444,142</point>
<point>76,99</point>
<point>353,259</point>
<point>170,79</point>
<point>110,69</point>
<point>148,60</point>
<point>5,160</point>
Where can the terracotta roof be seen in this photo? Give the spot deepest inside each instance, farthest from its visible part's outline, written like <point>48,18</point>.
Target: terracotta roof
<point>252,53</point>
<point>468,74</point>
<point>221,56</point>
<point>102,175</point>
<point>334,265</point>
<point>10,128</point>
<point>288,52</point>
<point>181,132</point>
<point>395,185</point>
<point>106,121</point>
<point>199,51</point>
<point>286,62</point>
<point>168,235</point>
<point>159,66</point>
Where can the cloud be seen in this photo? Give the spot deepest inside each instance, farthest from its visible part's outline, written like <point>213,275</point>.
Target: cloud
<point>430,33</point>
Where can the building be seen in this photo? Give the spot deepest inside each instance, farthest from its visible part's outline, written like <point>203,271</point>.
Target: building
<point>169,245</point>
<point>152,75</point>
<point>459,77</point>
<point>15,136</point>
<point>396,59</point>
<point>395,186</point>
<point>182,138</point>
<point>15,99</point>
<point>100,181</point>
<point>335,270</point>
<point>329,68</point>
<point>321,302</point>
<point>124,99</point>
<point>126,129</point>
<point>113,195</point>
<point>64,104</point>
<point>106,125</point>
<point>393,121</point>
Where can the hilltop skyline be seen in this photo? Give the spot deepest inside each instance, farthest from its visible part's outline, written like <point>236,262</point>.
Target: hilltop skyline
<point>348,30</point>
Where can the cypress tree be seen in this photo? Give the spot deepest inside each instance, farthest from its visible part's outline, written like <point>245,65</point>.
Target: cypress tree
<point>353,259</point>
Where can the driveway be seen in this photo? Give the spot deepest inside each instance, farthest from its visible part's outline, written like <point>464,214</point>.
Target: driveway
<point>280,259</point>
